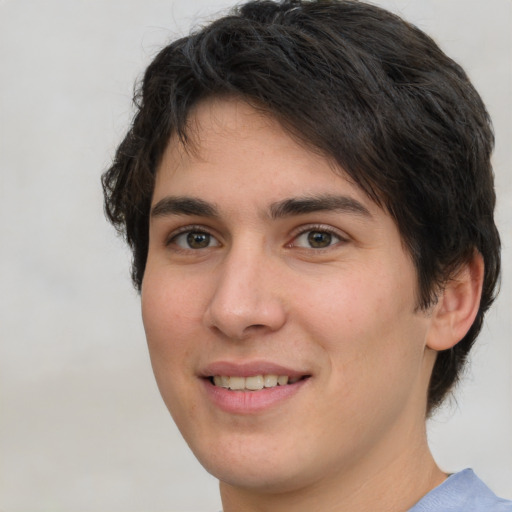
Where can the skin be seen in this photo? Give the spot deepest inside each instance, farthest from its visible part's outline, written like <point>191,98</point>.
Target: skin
<point>352,437</point>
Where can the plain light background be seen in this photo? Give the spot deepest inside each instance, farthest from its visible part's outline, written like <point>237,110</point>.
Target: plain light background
<point>82,427</point>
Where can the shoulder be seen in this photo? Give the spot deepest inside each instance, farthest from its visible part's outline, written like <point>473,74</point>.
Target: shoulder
<point>462,492</point>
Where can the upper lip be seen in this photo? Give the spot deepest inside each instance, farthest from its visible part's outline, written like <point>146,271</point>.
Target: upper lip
<point>248,369</point>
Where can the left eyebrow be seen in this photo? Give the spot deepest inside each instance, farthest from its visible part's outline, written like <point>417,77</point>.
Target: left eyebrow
<point>311,204</point>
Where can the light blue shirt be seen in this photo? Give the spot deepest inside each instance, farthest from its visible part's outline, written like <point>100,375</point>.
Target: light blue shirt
<point>462,492</point>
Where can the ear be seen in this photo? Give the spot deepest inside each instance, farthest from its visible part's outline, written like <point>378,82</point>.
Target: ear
<point>457,306</point>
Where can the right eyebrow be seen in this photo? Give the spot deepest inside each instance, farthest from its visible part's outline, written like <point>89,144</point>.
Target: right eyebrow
<point>183,205</point>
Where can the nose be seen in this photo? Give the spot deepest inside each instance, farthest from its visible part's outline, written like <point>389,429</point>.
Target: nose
<point>246,300</point>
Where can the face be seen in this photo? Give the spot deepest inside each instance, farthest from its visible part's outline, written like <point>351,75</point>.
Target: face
<point>279,308</point>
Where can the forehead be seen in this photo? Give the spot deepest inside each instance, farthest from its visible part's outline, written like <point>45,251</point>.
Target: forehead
<point>228,128</point>
<point>231,144</point>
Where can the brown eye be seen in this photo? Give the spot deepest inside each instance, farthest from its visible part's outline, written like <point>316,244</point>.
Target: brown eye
<point>198,240</point>
<point>194,240</point>
<point>319,239</point>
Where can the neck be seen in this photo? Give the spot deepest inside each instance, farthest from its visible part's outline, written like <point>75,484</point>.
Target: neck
<point>389,481</point>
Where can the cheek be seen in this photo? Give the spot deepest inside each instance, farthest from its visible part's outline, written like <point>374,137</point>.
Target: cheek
<point>341,307</point>
<point>168,324</point>
<point>170,305</point>
<point>167,314</point>
<point>366,323</point>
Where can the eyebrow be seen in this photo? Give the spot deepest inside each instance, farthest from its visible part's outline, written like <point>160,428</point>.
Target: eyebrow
<point>311,204</point>
<point>184,205</point>
<point>172,205</point>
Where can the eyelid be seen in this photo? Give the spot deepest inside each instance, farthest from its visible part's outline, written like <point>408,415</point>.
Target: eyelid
<point>342,236</point>
<point>190,228</point>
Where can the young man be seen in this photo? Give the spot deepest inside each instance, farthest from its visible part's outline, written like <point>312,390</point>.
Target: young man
<point>308,195</point>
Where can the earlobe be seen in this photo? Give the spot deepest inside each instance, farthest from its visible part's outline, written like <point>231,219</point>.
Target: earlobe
<point>457,306</point>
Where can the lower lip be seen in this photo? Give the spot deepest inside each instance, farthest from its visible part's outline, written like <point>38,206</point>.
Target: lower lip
<point>250,402</point>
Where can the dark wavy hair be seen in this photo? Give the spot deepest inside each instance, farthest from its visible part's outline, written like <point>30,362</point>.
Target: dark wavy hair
<point>360,85</point>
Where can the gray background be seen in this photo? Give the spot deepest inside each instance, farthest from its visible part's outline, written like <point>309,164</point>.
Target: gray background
<point>82,427</point>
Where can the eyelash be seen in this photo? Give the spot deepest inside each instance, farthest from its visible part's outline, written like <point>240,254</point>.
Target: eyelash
<point>319,228</point>
<point>186,230</point>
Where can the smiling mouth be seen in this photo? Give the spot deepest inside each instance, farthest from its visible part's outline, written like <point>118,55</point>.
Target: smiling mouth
<point>254,382</point>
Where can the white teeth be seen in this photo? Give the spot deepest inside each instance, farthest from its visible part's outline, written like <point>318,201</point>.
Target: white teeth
<point>236,383</point>
<point>221,381</point>
<point>254,382</point>
<point>282,380</point>
<point>270,381</point>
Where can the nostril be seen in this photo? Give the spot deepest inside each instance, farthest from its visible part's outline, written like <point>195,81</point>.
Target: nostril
<point>255,327</point>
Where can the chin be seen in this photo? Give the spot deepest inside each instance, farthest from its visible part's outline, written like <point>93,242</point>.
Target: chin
<point>271,480</point>
<point>250,464</point>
